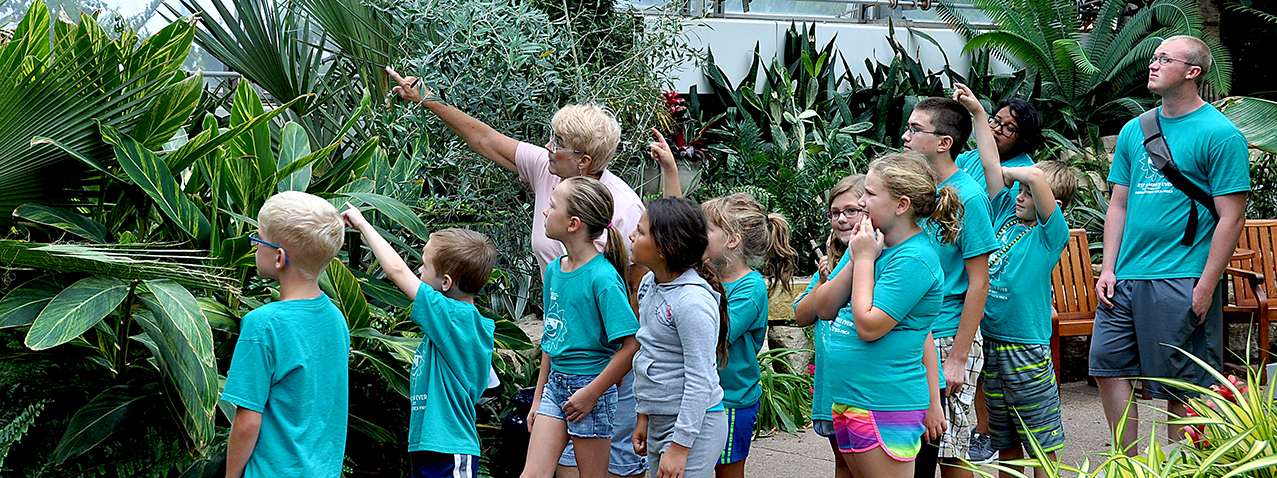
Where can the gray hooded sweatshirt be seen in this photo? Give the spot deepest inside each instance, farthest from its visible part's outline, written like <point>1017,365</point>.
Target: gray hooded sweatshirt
<point>676,369</point>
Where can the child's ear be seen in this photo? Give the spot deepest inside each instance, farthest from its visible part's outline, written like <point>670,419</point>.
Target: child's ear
<point>575,223</point>
<point>734,241</point>
<point>1059,203</point>
<point>902,205</point>
<point>446,283</point>
<point>946,143</point>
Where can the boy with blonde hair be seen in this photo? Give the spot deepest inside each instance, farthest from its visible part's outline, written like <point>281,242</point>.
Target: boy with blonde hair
<point>1019,381</point>
<point>450,368</point>
<point>288,376</point>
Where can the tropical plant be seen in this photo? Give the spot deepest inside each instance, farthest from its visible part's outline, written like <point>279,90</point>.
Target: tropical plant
<point>85,74</point>
<point>786,401</point>
<point>1093,80</point>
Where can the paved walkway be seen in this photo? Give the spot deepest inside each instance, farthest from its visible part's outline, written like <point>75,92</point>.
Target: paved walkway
<point>808,454</point>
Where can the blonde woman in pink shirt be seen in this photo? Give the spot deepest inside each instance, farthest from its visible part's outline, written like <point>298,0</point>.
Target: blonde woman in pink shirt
<point>583,140</point>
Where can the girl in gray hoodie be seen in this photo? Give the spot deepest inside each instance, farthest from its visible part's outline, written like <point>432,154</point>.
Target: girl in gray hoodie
<point>682,324</point>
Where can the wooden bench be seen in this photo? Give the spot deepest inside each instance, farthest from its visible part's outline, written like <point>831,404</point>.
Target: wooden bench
<point>1073,294</point>
<point>1252,275</point>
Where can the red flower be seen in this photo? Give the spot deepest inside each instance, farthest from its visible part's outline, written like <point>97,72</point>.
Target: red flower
<point>811,369</point>
<point>1199,439</point>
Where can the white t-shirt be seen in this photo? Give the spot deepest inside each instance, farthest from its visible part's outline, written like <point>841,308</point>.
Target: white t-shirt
<point>533,163</point>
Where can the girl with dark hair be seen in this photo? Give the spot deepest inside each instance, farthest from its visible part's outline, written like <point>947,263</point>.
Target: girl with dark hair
<point>1017,130</point>
<point>682,426</point>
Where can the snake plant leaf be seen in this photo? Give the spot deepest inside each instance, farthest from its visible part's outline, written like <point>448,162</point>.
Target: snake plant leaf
<point>342,287</point>
<point>153,176</point>
<point>403,348</point>
<point>75,310</point>
<point>22,304</point>
<point>294,144</point>
<point>65,220</point>
<point>184,343</point>
<point>97,420</point>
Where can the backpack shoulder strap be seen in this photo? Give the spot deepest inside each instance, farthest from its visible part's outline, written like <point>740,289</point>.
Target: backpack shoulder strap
<point>1159,152</point>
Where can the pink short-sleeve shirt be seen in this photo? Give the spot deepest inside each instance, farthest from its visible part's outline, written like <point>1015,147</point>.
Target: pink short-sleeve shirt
<point>533,163</point>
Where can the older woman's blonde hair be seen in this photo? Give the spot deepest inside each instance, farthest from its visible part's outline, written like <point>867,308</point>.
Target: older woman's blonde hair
<point>590,128</point>
<point>307,227</point>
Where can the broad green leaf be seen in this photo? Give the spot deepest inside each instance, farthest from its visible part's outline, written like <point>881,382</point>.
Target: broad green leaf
<point>293,145</point>
<point>1255,118</point>
<point>153,176</point>
<point>172,302</point>
<point>22,304</point>
<point>395,373</point>
<point>403,348</point>
<point>65,220</point>
<point>300,166</point>
<point>379,290</point>
<point>219,316</point>
<point>183,350</point>
<point>370,429</point>
<point>168,112</point>
<point>105,414</point>
<point>256,142</point>
<point>343,289</point>
<point>394,210</point>
<point>75,310</point>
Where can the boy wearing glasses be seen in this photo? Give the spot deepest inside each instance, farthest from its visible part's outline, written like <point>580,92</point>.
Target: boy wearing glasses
<point>288,375</point>
<point>938,129</point>
<point>1160,281</point>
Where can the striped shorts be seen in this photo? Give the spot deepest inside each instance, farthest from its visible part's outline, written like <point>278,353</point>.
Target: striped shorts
<point>1021,394</point>
<point>898,433</point>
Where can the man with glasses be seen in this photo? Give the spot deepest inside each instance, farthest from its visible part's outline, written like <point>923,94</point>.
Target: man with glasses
<point>1160,283</point>
<point>581,140</point>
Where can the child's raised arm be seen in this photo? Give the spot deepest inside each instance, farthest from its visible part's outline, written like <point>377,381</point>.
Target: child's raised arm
<point>396,269</point>
<point>670,187</point>
<point>1039,188</point>
<point>985,143</point>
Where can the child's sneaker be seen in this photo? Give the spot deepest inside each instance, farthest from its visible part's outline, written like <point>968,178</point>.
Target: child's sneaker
<point>981,450</point>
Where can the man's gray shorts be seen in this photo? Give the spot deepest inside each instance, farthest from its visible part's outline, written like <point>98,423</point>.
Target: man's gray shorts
<point>1127,340</point>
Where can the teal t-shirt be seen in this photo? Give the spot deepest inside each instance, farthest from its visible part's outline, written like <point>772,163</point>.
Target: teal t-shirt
<point>969,161</point>
<point>821,405</point>
<point>1019,306</point>
<point>887,374</point>
<point>975,239</point>
<point>587,313</point>
<point>449,373</point>
<point>290,365</point>
<point>1211,153</point>
<point>747,328</point>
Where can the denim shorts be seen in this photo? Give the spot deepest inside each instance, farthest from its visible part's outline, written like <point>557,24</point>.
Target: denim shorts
<point>560,386</point>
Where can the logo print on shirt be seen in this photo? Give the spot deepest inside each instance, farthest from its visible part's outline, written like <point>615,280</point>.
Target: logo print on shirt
<point>1150,180</point>
<point>553,324</point>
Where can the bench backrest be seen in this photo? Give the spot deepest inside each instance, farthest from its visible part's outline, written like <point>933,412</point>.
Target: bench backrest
<point>1073,281</point>
<point>1259,235</point>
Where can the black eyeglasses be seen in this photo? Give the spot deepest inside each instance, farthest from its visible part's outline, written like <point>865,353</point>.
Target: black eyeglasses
<point>255,242</point>
<point>1004,129</point>
<point>849,213</point>
<point>1162,60</point>
<point>911,129</point>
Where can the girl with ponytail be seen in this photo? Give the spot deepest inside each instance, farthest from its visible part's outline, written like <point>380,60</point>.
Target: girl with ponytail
<point>882,305</point>
<point>683,319</point>
<point>743,236</point>
<point>589,343</point>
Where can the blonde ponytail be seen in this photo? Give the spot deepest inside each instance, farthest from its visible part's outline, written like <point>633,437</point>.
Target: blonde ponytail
<point>764,237</point>
<point>590,200</point>
<point>909,175</point>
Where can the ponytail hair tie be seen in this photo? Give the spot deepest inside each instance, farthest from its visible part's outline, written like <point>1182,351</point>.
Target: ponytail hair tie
<point>609,226</point>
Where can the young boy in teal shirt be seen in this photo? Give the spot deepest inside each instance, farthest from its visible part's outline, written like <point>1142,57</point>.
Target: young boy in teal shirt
<point>450,368</point>
<point>288,377</point>
<point>1019,380</point>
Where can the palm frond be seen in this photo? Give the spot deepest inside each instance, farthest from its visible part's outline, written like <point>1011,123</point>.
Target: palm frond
<point>124,261</point>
